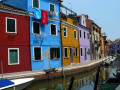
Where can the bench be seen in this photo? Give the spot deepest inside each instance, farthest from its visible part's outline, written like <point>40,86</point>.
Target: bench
<point>50,70</point>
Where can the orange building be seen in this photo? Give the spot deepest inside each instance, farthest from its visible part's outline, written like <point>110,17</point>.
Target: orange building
<point>70,42</point>
<point>102,44</point>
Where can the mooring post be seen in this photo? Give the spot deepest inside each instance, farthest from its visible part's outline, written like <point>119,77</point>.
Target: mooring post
<point>97,77</point>
<point>71,83</point>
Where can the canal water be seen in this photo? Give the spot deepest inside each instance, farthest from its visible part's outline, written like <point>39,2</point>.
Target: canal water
<point>81,79</point>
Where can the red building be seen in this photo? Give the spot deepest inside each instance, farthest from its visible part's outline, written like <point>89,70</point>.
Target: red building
<point>14,39</point>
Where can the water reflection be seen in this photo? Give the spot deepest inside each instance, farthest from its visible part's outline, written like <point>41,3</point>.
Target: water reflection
<point>81,79</point>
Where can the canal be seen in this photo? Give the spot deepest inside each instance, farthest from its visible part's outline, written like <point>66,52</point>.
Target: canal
<point>81,79</point>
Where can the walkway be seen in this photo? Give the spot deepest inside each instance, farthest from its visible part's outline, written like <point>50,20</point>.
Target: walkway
<point>41,72</point>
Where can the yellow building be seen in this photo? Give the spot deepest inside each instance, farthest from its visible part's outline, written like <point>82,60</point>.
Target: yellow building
<point>102,44</point>
<point>70,42</point>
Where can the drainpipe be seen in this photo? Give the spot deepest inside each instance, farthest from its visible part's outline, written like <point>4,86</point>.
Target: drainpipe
<point>61,39</point>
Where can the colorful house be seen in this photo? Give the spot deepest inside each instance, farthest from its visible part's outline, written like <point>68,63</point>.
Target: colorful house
<point>45,45</point>
<point>70,41</point>
<point>15,39</point>
<point>94,39</point>
<point>84,39</point>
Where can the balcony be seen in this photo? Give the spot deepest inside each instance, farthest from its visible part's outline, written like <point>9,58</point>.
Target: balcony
<point>52,13</point>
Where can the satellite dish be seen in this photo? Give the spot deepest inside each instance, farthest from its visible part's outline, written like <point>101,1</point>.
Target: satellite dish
<point>37,13</point>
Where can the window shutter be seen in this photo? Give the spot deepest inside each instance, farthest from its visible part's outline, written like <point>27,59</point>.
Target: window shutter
<point>53,29</point>
<point>37,53</point>
<point>13,56</point>
<point>51,53</point>
<point>36,27</point>
<point>10,25</point>
<point>52,8</point>
<point>58,52</point>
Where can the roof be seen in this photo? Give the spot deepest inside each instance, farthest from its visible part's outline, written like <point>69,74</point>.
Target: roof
<point>6,7</point>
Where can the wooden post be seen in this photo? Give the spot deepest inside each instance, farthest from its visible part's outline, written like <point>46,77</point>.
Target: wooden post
<point>97,77</point>
<point>71,83</point>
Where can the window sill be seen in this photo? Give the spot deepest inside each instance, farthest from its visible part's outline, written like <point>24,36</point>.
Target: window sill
<point>53,35</point>
<point>38,60</point>
<point>66,57</point>
<point>76,56</point>
<point>55,59</point>
<point>14,64</point>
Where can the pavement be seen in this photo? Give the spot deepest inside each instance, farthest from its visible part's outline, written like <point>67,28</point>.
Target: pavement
<point>41,72</point>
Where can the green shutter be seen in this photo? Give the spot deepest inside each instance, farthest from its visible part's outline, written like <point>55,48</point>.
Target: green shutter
<point>36,28</point>
<point>74,34</point>
<point>35,3</point>
<point>37,52</point>
<point>13,56</point>
<point>10,25</point>
<point>52,8</point>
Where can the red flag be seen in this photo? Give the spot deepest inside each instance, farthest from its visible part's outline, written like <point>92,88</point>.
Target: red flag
<point>44,17</point>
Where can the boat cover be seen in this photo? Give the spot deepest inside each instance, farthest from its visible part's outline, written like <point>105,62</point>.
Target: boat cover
<point>5,82</point>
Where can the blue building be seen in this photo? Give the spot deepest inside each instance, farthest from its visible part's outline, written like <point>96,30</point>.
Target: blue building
<point>45,44</point>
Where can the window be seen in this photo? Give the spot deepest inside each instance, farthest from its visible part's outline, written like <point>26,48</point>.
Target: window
<point>117,46</point>
<point>80,34</point>
<point>36,27</point>
<point>75,34</point>
<point>81,50</point>
<point>88,36</point>
<point>65,31</point>
<point>13,56</point>
<point>76,52</point>
<point>52,7</point>
<point>84,35</point>
<point>53,29</point>
<point>11,25</point>
<point>88,51</point>
<point>54,53</point>
<point>36,3</point>
<point>65,52</point>
<point>37,53</point>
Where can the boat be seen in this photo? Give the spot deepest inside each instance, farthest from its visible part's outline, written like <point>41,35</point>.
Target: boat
<point>106,63</point>
<point>110,84</point>
<point>15,84</point>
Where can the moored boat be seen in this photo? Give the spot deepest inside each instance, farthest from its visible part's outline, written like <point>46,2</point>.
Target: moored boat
<point>16,84</point>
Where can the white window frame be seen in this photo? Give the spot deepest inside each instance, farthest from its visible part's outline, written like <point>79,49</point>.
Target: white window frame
<point>66,31</point>
<point>39,27</point>
<point>75,52</point>
<point>50,53</point>
<point>76,34</point>
<point>9,56</point>
<point>34,53</point>
<point>52,4</point>
<point>50,29</point>
<point>15,25</point>
<point>82,52</point>
<point>38,4</point>
<point>81,33</point>
<point>67,52</point>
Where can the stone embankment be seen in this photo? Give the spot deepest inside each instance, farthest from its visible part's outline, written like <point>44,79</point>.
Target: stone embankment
<point>62,71</point>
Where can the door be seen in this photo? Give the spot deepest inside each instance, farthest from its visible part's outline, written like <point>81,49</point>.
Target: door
<point>85,54</point>
<point>72,55</point>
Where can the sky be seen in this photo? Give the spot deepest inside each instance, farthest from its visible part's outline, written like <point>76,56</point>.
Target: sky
<point>105,13</point>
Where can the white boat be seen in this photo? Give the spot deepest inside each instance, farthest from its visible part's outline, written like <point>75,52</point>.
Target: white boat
<point>18,84</point>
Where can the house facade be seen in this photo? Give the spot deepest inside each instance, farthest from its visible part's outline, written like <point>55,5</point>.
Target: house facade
<point>45,45</point>
<point>15,39</point>
<point>94,38</point>
<point>102,44</point>
<point>70,41</point>
<point>84,39</point>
